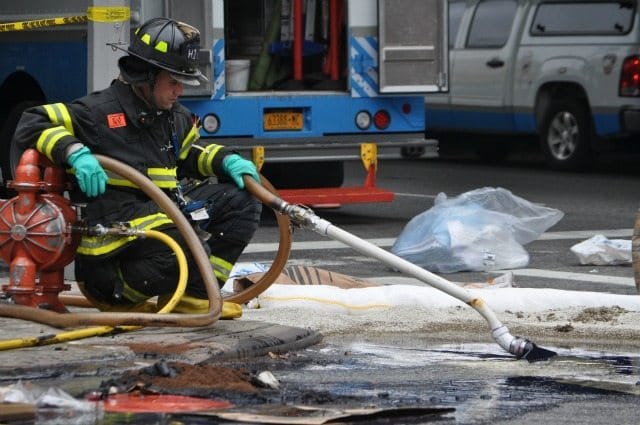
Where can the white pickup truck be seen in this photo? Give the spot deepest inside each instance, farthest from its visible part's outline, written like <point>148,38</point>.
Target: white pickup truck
<point>567,71</point>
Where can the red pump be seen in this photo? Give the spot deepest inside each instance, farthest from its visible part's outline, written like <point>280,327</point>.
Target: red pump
<point>35,233</point>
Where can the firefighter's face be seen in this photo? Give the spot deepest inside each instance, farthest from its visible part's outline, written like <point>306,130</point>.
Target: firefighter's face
<point>166,90</point>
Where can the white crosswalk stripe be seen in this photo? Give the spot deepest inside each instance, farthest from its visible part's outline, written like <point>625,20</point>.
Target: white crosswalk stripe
<point>326,244</point>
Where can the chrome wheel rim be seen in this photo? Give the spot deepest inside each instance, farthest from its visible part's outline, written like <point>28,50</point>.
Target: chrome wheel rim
<point>563,135</point>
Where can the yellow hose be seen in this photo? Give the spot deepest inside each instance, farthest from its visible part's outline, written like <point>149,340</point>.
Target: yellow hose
<point>102,330</point>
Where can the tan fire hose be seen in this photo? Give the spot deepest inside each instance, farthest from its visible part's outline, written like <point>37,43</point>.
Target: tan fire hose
<point>66,320</point>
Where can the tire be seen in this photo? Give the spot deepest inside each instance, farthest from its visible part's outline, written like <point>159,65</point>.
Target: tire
<point>566,135</point>
<point>304,175</point>
<point>9,153</point>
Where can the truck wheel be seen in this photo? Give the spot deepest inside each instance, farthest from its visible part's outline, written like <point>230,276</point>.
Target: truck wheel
<point>565,135</point>
<point>9,153</point>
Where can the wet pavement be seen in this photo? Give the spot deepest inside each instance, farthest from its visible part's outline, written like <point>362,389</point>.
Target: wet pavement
<point>411,377</point>
<point>480,381</point>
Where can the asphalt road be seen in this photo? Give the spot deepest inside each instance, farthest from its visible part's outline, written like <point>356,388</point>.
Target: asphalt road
<point>604,200</point>
<point>477,379</point>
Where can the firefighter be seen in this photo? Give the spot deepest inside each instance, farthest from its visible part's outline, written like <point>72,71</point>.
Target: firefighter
<point>137,120</point>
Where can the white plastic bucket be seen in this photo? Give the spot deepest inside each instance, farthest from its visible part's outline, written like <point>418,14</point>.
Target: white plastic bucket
<point>237,71</point>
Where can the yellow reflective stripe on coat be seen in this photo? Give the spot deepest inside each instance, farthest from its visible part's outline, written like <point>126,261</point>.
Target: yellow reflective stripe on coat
<point>164,178</point>
<point>221,268</point>
<point>100,245</point>
<point>48,139</point>
<point>192,136</point>
<point>59,114</point>
<point>205,159</point>
<point>114,179</point>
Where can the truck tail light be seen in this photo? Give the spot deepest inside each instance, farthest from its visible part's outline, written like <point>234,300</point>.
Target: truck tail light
<point>381,119</point>
<point>630,77</point>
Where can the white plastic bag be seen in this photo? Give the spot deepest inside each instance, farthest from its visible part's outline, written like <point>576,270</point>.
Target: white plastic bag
<point>480,230</point>
<point>600,251</point>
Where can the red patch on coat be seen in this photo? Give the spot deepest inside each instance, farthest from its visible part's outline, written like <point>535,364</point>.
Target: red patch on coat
<point>116,120</point>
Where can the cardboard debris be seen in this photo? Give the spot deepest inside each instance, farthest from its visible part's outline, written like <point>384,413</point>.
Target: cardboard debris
<point>310,415</point>
<point>305,275</point>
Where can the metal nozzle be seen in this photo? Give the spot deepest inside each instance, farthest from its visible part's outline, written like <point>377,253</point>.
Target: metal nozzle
<point>520,347</point>
<point>525,349</point>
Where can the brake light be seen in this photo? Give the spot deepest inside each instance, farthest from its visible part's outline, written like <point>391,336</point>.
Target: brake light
<point>630,77</point>
<point>381,119</point>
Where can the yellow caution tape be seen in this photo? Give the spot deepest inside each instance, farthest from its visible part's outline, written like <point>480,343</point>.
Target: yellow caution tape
<point>41,23</point>
<point>109,14</point>
<point>96,14</point>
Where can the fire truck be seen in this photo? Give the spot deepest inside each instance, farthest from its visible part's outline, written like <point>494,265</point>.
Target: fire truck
<point>298,86</point>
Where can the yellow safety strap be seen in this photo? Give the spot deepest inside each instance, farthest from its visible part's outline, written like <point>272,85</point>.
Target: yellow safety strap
<point>59,114</point>
<point>205,159</point>
<point>192,136</point>
<point>221,268</point>
<point>100,245</point>
<point>48,139</point>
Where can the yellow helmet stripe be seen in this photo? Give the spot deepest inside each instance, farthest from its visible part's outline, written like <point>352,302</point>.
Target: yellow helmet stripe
<point>162,46</point>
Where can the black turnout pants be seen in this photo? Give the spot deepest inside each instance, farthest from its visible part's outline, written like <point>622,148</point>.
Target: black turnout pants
<point>147,267</point>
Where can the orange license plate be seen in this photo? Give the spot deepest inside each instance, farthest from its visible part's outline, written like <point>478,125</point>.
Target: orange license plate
<point>282,121</point>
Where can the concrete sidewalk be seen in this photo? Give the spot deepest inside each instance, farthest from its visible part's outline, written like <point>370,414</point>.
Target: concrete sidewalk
<point>104,356</point>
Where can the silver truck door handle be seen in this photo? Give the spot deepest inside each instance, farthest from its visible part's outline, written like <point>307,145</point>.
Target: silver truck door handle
<point>495,63</point>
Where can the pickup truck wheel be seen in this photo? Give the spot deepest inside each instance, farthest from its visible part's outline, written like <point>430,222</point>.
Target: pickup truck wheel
<point>565,135</point>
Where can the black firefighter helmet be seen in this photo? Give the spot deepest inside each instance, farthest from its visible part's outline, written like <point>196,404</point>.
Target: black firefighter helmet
<point>166,44</point>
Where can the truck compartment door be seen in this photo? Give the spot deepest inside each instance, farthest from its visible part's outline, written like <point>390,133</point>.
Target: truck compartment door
<point>413,46</point>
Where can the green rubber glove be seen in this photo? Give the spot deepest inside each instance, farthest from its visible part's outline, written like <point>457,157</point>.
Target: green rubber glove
<point>89,173</point>
<point>236,166</point>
